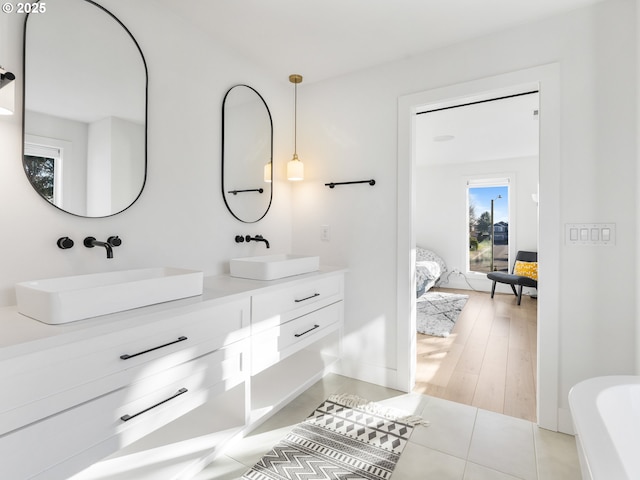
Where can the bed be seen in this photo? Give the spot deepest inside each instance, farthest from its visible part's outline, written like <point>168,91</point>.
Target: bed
<point>429,270</point>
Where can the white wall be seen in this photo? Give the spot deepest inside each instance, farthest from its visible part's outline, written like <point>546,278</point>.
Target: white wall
<point>637,203</point>
<point>441,209</point>
<point>99,174</point>
<point>180,219</point>
<point>349,132</point>
<point>128,144</point>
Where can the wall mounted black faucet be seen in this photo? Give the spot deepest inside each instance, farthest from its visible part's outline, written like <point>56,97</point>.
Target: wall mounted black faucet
<point>257,238</point>
<point>64,243</point>
<point>111,242</point>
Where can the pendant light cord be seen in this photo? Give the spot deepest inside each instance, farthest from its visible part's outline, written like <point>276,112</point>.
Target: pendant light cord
<point>295,119</point>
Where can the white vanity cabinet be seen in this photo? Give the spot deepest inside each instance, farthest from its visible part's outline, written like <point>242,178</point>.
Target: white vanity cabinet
<point>283,321</point>
<point>190,375</point>
<point>84,397</point>
<point>296,334</point>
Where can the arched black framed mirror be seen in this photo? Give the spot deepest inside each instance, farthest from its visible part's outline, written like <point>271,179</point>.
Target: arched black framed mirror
<point>247,154</point>
<point>84,110</point>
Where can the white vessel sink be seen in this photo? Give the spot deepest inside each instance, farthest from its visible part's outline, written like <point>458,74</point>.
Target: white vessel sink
<point>67,299</point>
<point>272,267</point>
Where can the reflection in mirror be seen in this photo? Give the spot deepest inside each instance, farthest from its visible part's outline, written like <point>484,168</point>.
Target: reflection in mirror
<point>85,108</point>
<point>247,152</point>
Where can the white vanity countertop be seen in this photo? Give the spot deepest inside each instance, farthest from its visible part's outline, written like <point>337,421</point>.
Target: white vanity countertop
<point>22,335</point>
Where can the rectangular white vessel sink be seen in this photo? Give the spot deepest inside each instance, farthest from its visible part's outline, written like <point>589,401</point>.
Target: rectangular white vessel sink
<point>67,299</point>
<point>272,267</point>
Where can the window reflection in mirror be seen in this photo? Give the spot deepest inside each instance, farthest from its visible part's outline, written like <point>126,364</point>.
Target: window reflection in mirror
<point>247,151</point>
<point>85,96</point>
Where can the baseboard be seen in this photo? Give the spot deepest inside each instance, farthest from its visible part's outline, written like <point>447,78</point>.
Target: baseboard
<point>376,374</point>
<point>565,421</point>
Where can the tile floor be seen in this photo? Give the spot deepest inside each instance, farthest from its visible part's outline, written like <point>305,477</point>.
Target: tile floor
<point>462,442</point>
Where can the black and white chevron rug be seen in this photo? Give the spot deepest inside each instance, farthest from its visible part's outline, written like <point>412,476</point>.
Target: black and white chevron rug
<point>345,438</point>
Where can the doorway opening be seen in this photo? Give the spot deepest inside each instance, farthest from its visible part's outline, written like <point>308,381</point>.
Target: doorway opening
<point>544,79</point>
<point>483,175</point>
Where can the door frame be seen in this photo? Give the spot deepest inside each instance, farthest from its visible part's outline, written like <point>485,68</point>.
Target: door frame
<point>546,79</point>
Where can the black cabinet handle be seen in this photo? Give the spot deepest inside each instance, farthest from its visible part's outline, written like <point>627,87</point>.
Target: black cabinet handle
<point>304,333</point>
<point>126,418</point>
<point>307,298</point>
<point>126,356</point>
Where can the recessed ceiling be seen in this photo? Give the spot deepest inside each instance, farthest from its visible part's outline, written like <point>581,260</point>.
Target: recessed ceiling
<point>491,130</point>
<point>326,38</point>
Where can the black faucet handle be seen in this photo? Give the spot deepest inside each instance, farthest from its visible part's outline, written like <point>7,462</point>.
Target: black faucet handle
<point>64,243</point>
<point>114,241</point>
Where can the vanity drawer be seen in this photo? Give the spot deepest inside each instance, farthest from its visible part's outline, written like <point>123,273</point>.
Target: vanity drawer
<point>72,374</point>
<point>274,308</point>
<point>112,421</point>
<point>277,343</point>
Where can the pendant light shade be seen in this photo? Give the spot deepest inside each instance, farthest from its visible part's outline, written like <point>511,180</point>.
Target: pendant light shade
<point>295,168</point>
<point>267,172</point>
<point>7,92</point>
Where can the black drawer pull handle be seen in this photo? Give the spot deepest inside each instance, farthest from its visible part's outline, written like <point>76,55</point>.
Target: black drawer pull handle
<point>304,333</point>
<point>307,298</point>
<point>127,356</point>
<point>126,418</point>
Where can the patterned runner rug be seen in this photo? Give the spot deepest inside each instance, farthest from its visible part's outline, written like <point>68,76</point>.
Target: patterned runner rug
<point>345,438</point>
<point>437,312</point>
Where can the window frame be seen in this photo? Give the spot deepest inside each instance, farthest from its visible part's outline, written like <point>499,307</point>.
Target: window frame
<point>49,148</point>
<point>504,179</point>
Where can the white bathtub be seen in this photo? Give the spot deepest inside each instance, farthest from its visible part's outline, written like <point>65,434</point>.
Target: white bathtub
<point>606,418</point>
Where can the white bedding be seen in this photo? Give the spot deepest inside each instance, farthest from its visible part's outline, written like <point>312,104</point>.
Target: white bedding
<point>429,269</point>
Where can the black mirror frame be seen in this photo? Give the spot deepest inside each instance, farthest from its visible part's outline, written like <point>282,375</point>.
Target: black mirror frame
<point>223,159</point>
<point>146,108</point>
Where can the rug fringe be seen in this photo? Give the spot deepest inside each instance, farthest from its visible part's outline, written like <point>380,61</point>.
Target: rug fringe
<point>354,401</point>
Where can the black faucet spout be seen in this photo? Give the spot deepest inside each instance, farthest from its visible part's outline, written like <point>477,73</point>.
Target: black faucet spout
<point>257,238</point>
<point>91,242</point>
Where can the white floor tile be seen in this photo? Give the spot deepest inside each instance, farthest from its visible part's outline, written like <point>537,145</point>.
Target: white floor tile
<point>504,444</point>
<point>368,391</point>
<point>251,448</point>
<point>223,468</point>
<point>557,455</point>
<point>450,429</point>
<point>478,472</point>
<point>421,463</point>
<point>462,442</point>
<point>407,403</point>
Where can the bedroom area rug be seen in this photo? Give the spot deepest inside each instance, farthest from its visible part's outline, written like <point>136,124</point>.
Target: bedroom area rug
<point>345,438</point>
<point>437,312</point>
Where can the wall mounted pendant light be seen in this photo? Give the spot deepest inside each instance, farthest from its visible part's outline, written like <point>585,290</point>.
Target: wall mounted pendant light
<point>7,92</point>
<point>295,168</point>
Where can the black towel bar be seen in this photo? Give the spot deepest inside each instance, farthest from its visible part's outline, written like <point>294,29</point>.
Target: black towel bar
<point>333,184</point>
<point>235,192</point>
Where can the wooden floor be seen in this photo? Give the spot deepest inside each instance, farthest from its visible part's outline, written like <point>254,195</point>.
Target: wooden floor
<point>488,360</point>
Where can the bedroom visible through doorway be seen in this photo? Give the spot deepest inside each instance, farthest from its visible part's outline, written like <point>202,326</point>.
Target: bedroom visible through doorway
<point>476,178</point>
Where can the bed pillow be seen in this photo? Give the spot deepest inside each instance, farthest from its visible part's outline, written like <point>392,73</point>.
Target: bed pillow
<point>526,269</point>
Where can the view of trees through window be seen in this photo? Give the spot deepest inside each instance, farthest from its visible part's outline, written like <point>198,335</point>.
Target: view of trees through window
<point>488,228</point>
<point>41,172</point>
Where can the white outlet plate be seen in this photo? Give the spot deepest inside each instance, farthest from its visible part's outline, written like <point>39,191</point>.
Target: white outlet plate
<point>324,233</point>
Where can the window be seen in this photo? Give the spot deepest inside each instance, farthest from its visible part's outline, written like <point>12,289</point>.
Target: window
<point>488,221</point>
<point>43,165</point>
